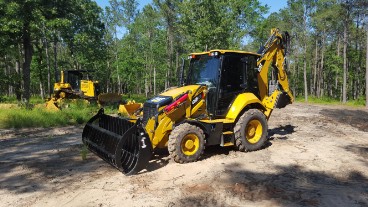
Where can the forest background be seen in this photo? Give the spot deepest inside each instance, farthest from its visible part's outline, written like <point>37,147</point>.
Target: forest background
<point>38,38</point>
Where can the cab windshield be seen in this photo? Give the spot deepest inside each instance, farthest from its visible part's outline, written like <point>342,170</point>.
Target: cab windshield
<point>204,69</point>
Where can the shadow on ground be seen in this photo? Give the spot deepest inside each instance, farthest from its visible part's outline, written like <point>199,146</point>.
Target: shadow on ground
<point>360,151</point>
<point>289,186</point>
<point>355,118</point>
<point>281,132</point>
<point>30,164</point>
<point>159,159</point>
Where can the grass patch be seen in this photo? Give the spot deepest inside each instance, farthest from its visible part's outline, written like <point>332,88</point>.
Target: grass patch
<point>84,152</point>
<point>8,99</point>
<point>13,100</point>
<point>331,101</point>
<point>41,117</point>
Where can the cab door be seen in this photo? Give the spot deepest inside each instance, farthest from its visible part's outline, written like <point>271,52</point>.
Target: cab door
<point>237,76</point>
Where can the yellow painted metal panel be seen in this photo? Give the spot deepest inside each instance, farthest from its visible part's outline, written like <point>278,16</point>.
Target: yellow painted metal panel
<point>177,91</point>
<point>241,101</point>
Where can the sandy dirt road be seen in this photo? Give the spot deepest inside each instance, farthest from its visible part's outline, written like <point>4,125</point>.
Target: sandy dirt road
<point>316,156</point>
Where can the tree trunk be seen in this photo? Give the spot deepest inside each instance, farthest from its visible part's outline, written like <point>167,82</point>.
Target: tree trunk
<point>40,77</point>
<point>154,81</point>
<point>145,87</point>
<point>48,68</point>
<point>117,72</point>
<point>177,74</point>
<point>56,73</point>
<point>296,69</point>
<point>117,63</point>
<point>146,66</point>
<point>315,69</point>
<point>345,62</point>
<point>336,85</point>
<point>108,77</point>
<point>305,73</point>
<point>320,79</point>
<point>366,72</point>
<point>338,46</point>
<point>27,47</point>
<point>18,84</point>
<point>7,72</point>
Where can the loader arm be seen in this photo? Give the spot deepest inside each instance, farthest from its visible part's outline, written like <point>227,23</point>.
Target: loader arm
<point>274,53</point>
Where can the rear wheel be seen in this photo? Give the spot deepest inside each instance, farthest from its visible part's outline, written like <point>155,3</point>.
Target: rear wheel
<point>186,143</point>
<point>251,131</point>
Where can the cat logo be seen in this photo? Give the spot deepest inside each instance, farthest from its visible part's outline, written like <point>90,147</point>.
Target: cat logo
<point>157,99</point>
<point>196,99</point>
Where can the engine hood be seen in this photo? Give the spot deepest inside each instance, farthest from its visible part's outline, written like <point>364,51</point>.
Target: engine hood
<point>167,97</point>
<point>152,106</point>
<point>180,90</point>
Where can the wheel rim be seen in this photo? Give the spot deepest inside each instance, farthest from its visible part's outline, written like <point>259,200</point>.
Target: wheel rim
<point>190,144</point>
<point>254,131</point>
<point>62,94</point>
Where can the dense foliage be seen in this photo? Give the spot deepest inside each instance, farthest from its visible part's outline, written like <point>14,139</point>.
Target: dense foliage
<point>139,51</point>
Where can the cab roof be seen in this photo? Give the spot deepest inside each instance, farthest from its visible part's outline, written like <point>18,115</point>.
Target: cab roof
<point>224,51</point>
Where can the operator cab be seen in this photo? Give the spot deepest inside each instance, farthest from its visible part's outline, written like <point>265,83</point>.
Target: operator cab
<point>226,73</point>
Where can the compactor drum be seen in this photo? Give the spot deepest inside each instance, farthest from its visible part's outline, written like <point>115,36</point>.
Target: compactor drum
<point>224,101</point>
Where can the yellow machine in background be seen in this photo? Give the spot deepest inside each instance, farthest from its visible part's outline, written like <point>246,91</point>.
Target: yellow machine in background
<point>76,84</point>
<point>225,101</point>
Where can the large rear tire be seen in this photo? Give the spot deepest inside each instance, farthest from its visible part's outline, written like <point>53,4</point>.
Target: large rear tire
<point>186,143</point>
<point>251,131</point>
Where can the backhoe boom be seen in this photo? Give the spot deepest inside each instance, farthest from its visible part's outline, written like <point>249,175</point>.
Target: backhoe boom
<point>274,54</point>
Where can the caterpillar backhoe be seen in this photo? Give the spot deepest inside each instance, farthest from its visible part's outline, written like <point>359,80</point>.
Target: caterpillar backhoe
<point>225,100</point>
<point>77,84</point>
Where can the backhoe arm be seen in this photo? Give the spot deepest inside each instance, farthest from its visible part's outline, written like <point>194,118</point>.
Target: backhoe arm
<point>274,54</point>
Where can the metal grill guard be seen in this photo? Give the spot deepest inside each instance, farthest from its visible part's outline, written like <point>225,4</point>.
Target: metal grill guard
<point>121,143</point>
<point>149,110</point>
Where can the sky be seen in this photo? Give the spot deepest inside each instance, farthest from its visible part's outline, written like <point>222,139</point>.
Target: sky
<point>275,5</point>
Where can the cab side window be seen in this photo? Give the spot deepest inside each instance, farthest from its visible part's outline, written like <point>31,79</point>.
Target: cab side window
<point>231,84</point>
<point>251,74</point>
<point>232,73</point>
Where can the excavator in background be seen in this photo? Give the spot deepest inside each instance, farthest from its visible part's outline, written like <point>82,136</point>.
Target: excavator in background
<point>77,84</point>
<point>224,100</point>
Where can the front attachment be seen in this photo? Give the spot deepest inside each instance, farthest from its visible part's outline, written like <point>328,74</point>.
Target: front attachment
<point>122,143</point>
<point>52,105</point>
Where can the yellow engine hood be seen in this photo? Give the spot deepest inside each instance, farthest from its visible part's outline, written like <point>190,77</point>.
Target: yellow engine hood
<point>177,91</point>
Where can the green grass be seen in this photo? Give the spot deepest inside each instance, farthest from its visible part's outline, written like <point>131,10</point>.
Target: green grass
<point>331,101</point>
<point>40,117</point>
<point>12,99</point>
<point>84,152</point>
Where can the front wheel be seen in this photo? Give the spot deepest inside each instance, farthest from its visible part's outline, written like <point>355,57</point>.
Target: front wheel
<point>251,131</point>
<point>186,143</point>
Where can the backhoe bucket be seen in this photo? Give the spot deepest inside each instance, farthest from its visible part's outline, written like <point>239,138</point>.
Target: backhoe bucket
<point>123,144</point>
<point>130,108</point>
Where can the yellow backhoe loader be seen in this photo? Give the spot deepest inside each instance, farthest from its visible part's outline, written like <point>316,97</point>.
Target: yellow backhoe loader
<point>76,84</point>
<point>225,100</point>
